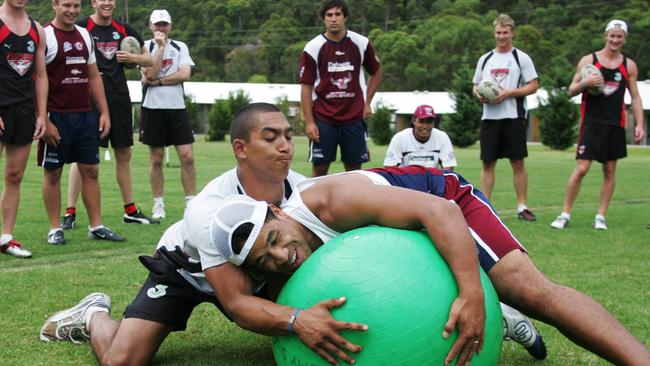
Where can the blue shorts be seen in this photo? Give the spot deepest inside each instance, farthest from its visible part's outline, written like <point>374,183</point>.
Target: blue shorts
<point>351,137</point>
<point>79,140</point>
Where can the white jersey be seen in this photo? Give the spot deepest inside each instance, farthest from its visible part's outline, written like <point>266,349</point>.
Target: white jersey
<point>168,96</point>
<point>502,69</point>
<point>404,150</point>
<point>295,207</point>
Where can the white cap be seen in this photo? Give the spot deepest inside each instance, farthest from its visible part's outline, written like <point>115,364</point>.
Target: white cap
<point>158,16</point>
<point>616,24</point>
<point>233,212</point>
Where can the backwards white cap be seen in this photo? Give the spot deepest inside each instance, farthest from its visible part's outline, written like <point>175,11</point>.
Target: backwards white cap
<point>616,24</point>
<point>233,212</point>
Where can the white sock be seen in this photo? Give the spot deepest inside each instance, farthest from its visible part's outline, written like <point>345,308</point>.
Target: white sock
<point>52,231</point>
<point>89,315</point>
<point>5,238</point>
<point>188,199</point>
<point>93,228</point>
<point>600,217</point>
<point>566,215</point>
<point>521,207</point>
<point>158,201</point>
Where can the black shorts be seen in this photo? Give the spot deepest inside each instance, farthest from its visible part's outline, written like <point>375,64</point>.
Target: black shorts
<point>20,122</point>
<point>79,140</point>
<point>121,132</point>
<point>503,138</point>
<point>601,142</point>
<point>165,127</point>
<point>351,137</point>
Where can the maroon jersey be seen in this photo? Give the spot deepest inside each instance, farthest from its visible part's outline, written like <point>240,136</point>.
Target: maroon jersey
<point>67,58</point>
<point>607,108</point>
<point>334,69</point>
<point>17,55</point>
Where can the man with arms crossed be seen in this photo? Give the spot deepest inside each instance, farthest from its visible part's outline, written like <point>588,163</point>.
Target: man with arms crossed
<point>72,130</point>
<point>23,98</point>
<point>334,101</point>
<point>504,121</point>
<point>108,33</point>
<point>449,208</point>
<point>164,117</point>
<point>602,132</point>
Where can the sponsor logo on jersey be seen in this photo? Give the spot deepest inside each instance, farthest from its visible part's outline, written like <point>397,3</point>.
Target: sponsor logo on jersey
<point>107,49</point>
<point>31,47</point>
<point>342,83</point>
<point>67,46</point>
<point>618,76</point>
<point>339,53</point>
<point>20,62</point>
<point>499,74</point>
<point>116,35</point>
<point>75,60</point>
<point>74,80</point>
<point>340,66</point>
<point>79,46</point>
<point>75,71</point>
<point>611,87</point>
<point>157,292</point>
<point>302,71</point>
<point>166,65</point>
<point>7,45</point>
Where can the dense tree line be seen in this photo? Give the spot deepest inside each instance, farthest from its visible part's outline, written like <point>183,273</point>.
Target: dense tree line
<point>421,43</point>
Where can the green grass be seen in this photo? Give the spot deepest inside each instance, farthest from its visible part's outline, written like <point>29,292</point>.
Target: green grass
<point>610,266</point>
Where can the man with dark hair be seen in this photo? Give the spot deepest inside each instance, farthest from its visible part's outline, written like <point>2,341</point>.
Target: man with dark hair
<point>23,98</point>
<point>334,99</point>
<point>108,33</point>
<point>461,224</point>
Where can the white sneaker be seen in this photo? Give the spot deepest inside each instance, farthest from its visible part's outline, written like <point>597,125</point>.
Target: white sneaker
<point>70,324</point>
<point>13,247</point>
<point>517,327</point>
<point>599,224</point>
<point>158,211</point>
<point>560,222</point>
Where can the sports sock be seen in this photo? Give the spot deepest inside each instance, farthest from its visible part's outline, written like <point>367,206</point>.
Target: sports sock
<point>5,238</point>
<point>52,231</point>
<point>158,201</point>
<point>89,314</point>
<point>130,208</point>
<point>566,215</point>
<point>71,211</point>
<point>188,199</point>
<point>91,228</point>
<point>600,217</point>
<point>521,207</point>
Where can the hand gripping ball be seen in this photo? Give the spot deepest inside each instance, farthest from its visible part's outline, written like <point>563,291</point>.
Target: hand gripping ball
<point>395,282</point>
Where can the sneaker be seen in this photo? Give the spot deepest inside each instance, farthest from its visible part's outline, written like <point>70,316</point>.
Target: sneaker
<point>13,247</point>
<point>55,237</point>
<point>68,221</point>
<point>70,324</point>
<point>104,233</point>
<point>526,215</point>
<point>517,327</point>
<point>600,224</point>
<point>560,222</point>
<point>158,211</point>
<point>139,218</point>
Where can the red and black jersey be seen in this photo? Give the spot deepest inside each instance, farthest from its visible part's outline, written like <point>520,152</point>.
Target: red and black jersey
<point>17,54</point>
<point>607,108</point>
<point>107,40</point>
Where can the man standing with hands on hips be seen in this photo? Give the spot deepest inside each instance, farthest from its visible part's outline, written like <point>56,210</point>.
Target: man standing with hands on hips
<point>165,120</point>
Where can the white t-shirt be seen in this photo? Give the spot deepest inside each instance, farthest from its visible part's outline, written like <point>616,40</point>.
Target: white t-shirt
<point>168,96</point>
<point>404,150</point>
<point>502,68</point>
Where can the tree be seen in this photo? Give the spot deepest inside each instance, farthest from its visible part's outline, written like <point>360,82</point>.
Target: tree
<point>221,114</point>
<point>379,126</point>
<point>558,120</point>
<point>463,126</point>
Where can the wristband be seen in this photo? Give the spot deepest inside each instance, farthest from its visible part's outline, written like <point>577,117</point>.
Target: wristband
<point>582,84</point>
<point>293,319</point>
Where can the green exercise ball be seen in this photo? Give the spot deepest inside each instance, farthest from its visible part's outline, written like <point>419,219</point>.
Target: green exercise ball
<point>395,282</point>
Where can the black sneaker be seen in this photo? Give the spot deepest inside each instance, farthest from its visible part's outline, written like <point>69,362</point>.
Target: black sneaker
<point>526,215</point>
<point>68,221</point>
<point>139,218</point>
<point>104,233</point>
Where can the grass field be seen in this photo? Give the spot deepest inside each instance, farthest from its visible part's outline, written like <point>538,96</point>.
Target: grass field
<point>611,266</point>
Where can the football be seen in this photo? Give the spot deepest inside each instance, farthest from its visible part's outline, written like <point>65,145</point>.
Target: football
<point>130,44</point>
<point>489,90</point>
<point>587,70</point>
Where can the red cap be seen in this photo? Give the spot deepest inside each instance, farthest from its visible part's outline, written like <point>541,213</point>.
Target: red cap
<point>424,111</point>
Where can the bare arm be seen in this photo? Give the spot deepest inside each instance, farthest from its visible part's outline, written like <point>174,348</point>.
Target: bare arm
<point>99,98</point>
<point>306,104</point>
<point>41,85</point>
<point>315,325</point>
<point>143,59</point>
<point>151,73</point>
<point>577,85</point>
<point>637,105</point>
<point>522,91</point>
<point>373,85</point>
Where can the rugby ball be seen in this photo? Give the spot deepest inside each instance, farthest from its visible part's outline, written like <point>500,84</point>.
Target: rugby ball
<point>590,69</point>
<point>489,90</point>
<point>131,45</point>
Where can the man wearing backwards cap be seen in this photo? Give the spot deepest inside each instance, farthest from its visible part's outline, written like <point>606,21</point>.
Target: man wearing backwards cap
<point>423,144</point>
<point>602,131</point>
<point>445,205</point>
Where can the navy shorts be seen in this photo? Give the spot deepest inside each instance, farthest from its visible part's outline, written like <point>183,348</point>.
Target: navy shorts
<point>503,138</point>
<point>166,127</point>
<point>121,132</point>
<point>601,142</point>
<point>19,120</point>
<point>492,238</point>
<point>79,140</point>
<point>351,137</point>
